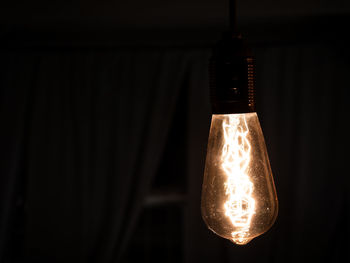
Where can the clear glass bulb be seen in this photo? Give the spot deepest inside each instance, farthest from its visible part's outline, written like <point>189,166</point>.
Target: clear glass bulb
<point>239,200</point>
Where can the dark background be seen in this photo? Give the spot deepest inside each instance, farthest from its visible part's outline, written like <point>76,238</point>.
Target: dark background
<point>104,121</point>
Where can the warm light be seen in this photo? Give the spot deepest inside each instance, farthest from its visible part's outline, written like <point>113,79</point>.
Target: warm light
<point>235,157</point>
<point>239,200</point>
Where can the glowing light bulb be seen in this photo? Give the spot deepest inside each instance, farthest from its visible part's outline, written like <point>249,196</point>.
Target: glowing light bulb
<point>239,200</point>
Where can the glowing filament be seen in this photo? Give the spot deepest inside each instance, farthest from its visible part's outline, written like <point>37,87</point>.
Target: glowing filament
<point>240,205</point>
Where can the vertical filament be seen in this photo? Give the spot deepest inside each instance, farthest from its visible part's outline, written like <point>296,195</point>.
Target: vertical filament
<point>240,205</point>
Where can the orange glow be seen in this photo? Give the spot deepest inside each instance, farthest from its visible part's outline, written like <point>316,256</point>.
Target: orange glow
<point>239,200</point>
<point>240,205</point>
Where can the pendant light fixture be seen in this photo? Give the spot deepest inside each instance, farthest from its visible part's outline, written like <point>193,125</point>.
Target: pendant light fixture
<point>239,200</point>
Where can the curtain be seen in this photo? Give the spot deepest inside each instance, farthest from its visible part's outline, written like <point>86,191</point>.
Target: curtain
<point>85,131</point>
<point>303,101</point>
<point>16,81</point>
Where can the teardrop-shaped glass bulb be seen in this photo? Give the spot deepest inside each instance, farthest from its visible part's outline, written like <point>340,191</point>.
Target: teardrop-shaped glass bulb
<point>239,200</point>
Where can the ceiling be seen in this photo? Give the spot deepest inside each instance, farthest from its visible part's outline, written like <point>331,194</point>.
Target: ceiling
<point>170,22</point>
<point>107,14</point>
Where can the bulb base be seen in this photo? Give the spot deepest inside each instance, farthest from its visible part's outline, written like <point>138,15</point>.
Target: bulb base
<point>232,77</point>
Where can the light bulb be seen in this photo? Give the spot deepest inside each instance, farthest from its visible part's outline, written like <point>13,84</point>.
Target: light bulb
<point>239,199</point>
